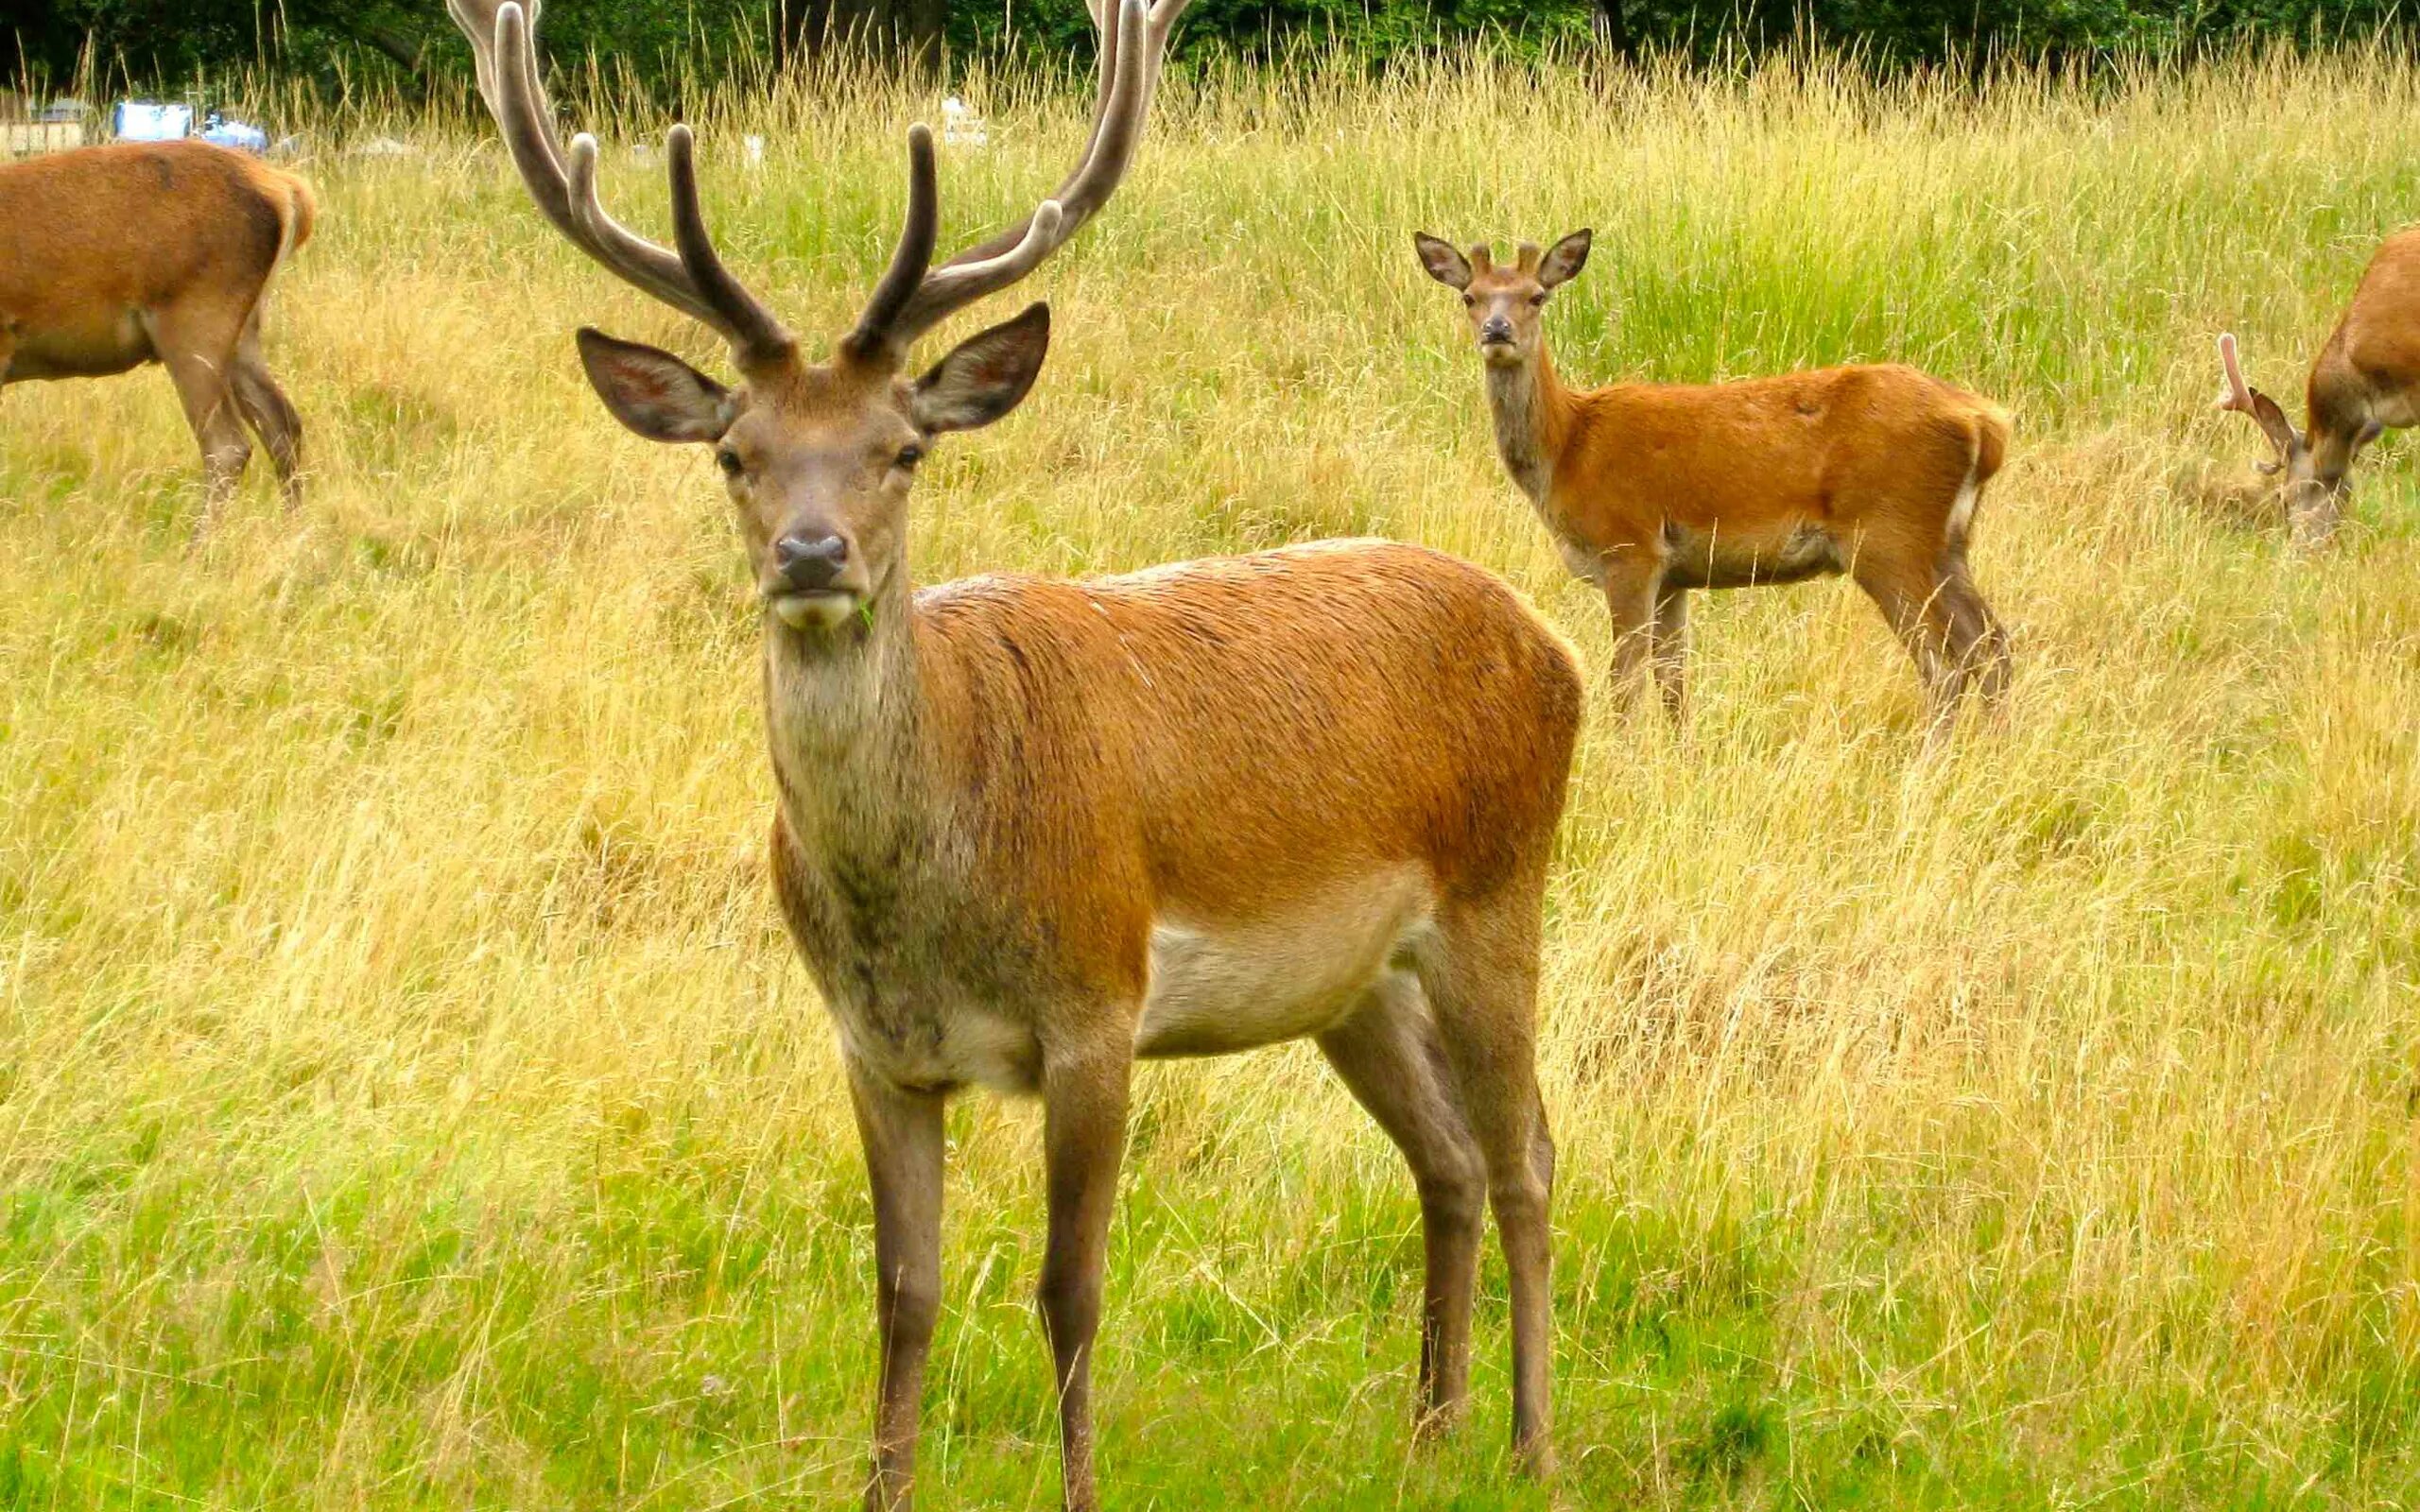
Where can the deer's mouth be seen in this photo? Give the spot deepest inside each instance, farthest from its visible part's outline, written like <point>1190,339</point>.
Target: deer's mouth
<point>823,610</point>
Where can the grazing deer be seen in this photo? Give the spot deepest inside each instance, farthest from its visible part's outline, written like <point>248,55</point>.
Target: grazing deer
<point>2365,381</point>
<point>112,257</point>
<point>1651,490</point>
<point>1029,831</point>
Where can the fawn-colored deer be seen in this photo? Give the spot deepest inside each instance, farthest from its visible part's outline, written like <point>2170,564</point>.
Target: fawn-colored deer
<point>1027,830</point>
<point>2365,381</point>
<point>115,256</point>
<point>1651,490</point>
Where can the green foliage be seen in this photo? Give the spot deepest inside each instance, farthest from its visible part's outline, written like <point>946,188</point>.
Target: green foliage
<point>157,41</point>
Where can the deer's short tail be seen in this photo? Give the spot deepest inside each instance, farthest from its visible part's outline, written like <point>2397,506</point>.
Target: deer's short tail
<point>1988,439</point>
<point>297,215</point>
<point>1992,427</point>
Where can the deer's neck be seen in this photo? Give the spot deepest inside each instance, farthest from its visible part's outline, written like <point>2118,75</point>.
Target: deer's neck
<point>849,726</point>
<point>1533,413</point>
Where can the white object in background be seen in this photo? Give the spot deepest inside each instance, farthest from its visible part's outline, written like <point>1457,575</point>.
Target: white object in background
<point>24,139</point>
<point>242,136</point>
<point>146,121</point>
<point>962,127</point>
<point>754,146</point>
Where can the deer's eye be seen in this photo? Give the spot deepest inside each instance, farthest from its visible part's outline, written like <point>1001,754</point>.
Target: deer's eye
<point>729,461</point>
<point>1538,298</point>
<point>1470,301</point>
<point>909,456</point>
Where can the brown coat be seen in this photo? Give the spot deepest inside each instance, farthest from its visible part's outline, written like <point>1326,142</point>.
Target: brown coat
<point>115,256</point>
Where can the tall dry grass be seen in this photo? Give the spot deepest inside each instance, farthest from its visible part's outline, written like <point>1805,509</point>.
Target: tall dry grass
<point>406,1098</point>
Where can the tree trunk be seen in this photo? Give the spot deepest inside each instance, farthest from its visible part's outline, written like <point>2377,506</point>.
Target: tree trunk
<point>1612,30</point>
<point>922,23</point>
<point>897,29</point>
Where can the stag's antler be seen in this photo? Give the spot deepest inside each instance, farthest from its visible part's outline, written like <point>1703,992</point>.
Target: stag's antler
<point>692,279</point>
<point>913,296</point>
<point>2243,398</point>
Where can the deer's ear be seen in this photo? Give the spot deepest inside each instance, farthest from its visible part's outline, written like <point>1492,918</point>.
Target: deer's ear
<point>2281,432</point>
<point>655,393</point>
<point>1444,263</point>
<point>989,374</point>
<point>1565,258</point>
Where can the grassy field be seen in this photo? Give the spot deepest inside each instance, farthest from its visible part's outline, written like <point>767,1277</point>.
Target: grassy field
<point>408,1100</point>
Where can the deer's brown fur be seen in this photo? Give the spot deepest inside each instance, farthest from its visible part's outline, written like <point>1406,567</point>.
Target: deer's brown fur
<point>1029,831</point>
<point>115,256</point>
<point>2364,382</point>
<point>1653,489</point>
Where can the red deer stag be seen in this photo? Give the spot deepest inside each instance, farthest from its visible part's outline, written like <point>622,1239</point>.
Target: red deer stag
<point>112,257</point>
<point>1651,490</point>
<point>2365,381</point>
<point>1029,831</point>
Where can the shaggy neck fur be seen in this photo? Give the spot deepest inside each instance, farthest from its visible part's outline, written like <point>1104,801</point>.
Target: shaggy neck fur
<point>846,718</point>
<point>1532,418</point>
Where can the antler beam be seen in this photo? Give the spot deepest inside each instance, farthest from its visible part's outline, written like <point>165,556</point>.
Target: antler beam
<point>913,297</point>
<point>692,279</point>
<point>2243,398</point>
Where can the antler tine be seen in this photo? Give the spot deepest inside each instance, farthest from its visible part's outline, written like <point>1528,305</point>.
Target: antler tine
<point>914,256</point>
<point>1107,16</point>
<point>753,328</point>
<point>2265,412</point>
<point>2237,394</point>
<point>693,281</point>
<point>1133,41</point>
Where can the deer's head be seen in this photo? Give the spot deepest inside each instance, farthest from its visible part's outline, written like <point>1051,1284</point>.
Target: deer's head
<point>819,457</point>
<point>1505,303</point>
<point>2310,468</point>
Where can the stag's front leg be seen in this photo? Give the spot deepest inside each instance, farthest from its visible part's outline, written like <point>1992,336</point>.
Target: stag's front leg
<point>1671,645</point>
<point>1633,581</point>
<point>902,1132</point>
<point>1083,1139</point>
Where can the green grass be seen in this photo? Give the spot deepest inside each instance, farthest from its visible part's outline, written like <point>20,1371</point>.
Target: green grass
<point>407,1099</point>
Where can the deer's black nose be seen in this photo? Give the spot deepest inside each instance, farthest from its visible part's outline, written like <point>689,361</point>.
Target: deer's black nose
<point>809,564</point>
<point>1495,328</point>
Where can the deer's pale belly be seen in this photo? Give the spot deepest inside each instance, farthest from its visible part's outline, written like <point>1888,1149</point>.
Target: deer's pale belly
<point>1228,987</point>
<point>1214,989</point>
<point>106,345</point>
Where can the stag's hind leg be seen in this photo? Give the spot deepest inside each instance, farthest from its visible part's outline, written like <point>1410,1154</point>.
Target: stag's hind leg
<point>1979,646</point>
<point>1481,977</point>
<point>265,409</point>
<point>1389,1053</point>
<point>1911,594</point>
<point>198,347</point>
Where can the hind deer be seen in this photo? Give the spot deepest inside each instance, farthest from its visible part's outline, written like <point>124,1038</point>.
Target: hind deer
<point>2365,381</point>
<point>1651,490</point>
<point>1029,831</point>
<point>112,257</point>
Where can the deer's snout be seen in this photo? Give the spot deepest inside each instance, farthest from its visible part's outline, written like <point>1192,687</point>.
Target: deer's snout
<point>808,564</point>
<point>1495,330</point>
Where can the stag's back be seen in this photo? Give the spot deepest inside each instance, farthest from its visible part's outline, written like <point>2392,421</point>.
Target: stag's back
<point>1287,719</point>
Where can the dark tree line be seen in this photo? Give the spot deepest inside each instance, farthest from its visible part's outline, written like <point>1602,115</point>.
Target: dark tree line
<point>157,41</point>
